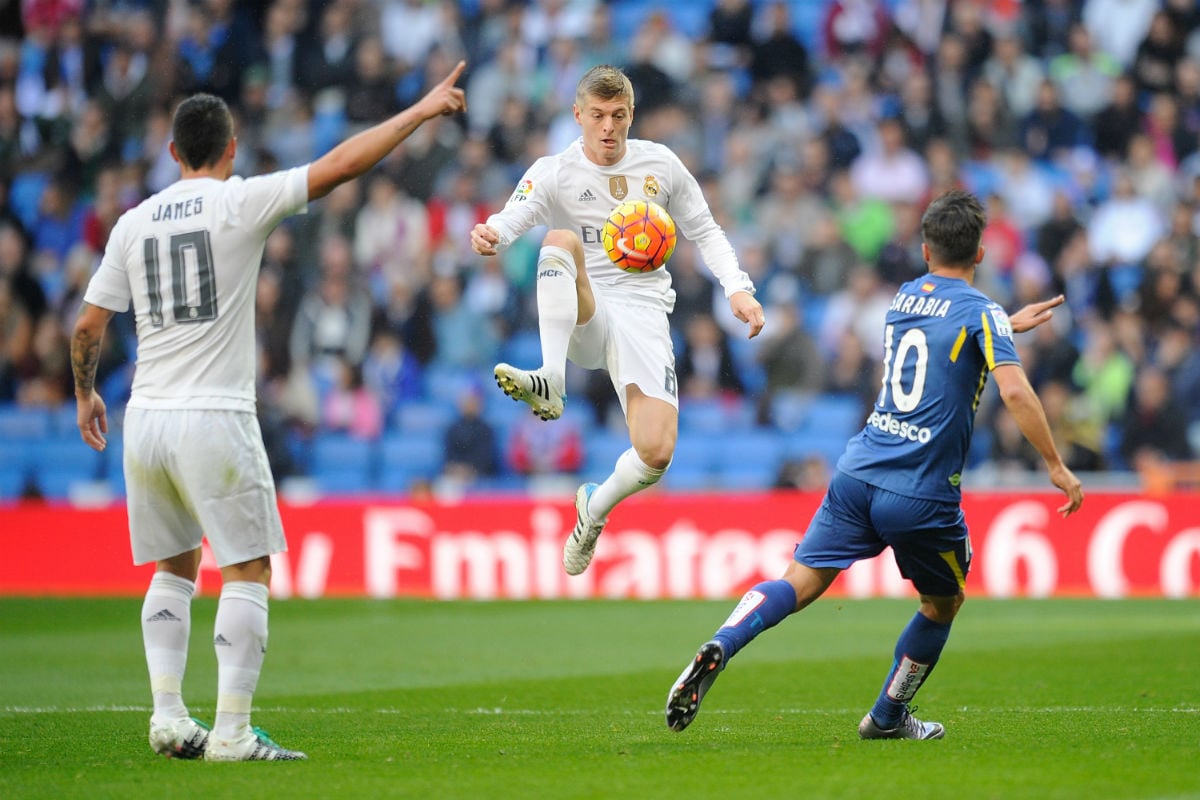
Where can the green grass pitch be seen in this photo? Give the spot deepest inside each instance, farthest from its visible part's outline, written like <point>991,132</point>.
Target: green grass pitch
<point>1041,699</point>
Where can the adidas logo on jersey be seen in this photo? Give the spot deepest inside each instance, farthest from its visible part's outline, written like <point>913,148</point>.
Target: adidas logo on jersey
<point>221,641</point>
<point>162,616</point>
<point>587,196</point>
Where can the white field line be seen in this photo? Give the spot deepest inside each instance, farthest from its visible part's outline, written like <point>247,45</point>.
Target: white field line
<point>536,712</point>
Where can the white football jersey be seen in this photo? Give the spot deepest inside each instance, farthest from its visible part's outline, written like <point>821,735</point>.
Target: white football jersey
<point>188,258</point>
<point>568,191</point>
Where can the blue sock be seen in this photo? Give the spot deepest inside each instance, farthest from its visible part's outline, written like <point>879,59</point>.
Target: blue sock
<point>917,650</point>
<point>762,607</point>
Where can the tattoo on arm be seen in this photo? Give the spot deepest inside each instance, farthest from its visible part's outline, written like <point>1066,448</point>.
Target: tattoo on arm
<point>85,357</point>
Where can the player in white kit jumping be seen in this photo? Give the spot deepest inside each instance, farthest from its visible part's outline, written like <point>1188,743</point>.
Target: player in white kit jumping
<point>187,260</point>
<point>596,314</point>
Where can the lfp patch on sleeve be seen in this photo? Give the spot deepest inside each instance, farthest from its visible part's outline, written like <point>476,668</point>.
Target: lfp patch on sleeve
<point>1003,326</point>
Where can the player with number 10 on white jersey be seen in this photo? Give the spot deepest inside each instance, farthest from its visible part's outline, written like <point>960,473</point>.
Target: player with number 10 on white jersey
<point>596,314</point>
<point>187,260</point>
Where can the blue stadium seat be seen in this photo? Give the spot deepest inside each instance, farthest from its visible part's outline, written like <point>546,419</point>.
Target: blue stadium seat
<point>342,482</point>
<point>342,463</point>
<point>682,477</point>
<point>25,194</point>
<point>65,457</point>
<point>12,481</point>
<point>600,452</point>
<point>716,415</point>
<point>445,384</point>
<point>25,424</point>
<point>835,415</point>
<point>698,450</point>
<point>746,476</point>
<point>523,349</point>
<point>424,417</point>
<point>402,456</point>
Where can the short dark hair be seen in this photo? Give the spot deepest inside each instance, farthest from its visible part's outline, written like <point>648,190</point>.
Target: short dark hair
<point>952,226</point>
<point>201,128</point>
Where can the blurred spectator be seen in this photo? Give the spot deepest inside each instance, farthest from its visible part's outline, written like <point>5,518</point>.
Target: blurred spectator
<point>1157,56</point>
<point>537,449</point>
<point>391,236</point>
<point>464,338</point>
<point>334,319</point>
<point>332,58</point>
<point>1053,234</point>
<point>1015,73</point>
<point>1047,23</point>
<point>865,223</point>
<point>990,127</point>
<point>1077,430</point>
<point>828,261</point>
<point>350,407</point>
<point>858,309</point>
<point>370,90</point>
<point>855,28</point>
<point>901,259</point>
<point>1116,124</point>
<point>1154,424</point>
<point>1104,373</point>
<point>776,52</point>
<point>808,474</point>
<point>1118,26</point>
<point>789,358</point>
<point>1178,356</point>
<point>920,116</point>
<point>16,270</point>
<point>1050,129</point>
<point>392,372</point>
<point>890,172</point>
<point>469,444</point>
<point>1172,141</point>
<point>1124,227</point>
<point>1084,75</point>
<point>705,367</point>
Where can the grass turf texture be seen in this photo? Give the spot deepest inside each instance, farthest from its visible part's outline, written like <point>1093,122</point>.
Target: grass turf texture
<point>1041,699</point>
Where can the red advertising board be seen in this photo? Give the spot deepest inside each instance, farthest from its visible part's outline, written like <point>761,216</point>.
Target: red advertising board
<point>657,546</point>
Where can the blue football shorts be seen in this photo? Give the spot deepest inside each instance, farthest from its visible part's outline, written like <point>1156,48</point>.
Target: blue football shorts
<point>857,520</point>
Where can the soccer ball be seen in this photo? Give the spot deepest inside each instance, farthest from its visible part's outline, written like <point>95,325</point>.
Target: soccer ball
<point>639,236</point>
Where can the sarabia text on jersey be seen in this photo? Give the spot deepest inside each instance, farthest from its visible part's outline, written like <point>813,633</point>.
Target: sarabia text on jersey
<point>187,259</point>
<point>942,337</point>
<point>568,191</point>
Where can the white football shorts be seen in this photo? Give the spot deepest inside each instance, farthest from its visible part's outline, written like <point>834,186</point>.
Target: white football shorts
<point>633,343</point>
<point>193,474</point>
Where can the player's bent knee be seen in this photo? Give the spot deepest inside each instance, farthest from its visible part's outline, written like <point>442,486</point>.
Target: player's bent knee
<point>566,239</point>
<point>657,457</point>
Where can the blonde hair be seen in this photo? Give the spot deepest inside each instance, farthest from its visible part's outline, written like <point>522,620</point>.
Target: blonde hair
<point>605,82</point>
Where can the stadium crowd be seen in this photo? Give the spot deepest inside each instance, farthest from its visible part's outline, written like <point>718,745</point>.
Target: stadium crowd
<point>820,131</point>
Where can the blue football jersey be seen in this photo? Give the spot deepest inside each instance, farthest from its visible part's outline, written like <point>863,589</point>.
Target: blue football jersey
<point>941,339</point>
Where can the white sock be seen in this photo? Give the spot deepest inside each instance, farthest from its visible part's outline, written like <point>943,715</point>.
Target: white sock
<point>629,476</point>
<point>558,309</point>
<point>240,639</point>
<point>166,626</point>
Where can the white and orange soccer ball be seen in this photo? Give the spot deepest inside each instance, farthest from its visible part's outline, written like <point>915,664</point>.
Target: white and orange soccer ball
<point>639,236</point>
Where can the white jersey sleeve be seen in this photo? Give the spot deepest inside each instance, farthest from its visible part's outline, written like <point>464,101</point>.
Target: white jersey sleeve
<point>527,208</point>
<point>187,261</point>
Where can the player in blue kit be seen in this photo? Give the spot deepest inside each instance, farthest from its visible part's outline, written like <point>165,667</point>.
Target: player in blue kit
<point>898,483</point>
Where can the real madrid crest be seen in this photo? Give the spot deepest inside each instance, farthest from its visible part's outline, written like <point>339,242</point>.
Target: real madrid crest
<point>650,186</point>
<point>618,187</point>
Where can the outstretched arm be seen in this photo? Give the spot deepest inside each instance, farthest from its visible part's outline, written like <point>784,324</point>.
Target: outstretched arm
<point>1022,402</point>
<point>364,150</point>
<point>1035,314</point>
<point>85,357</point>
